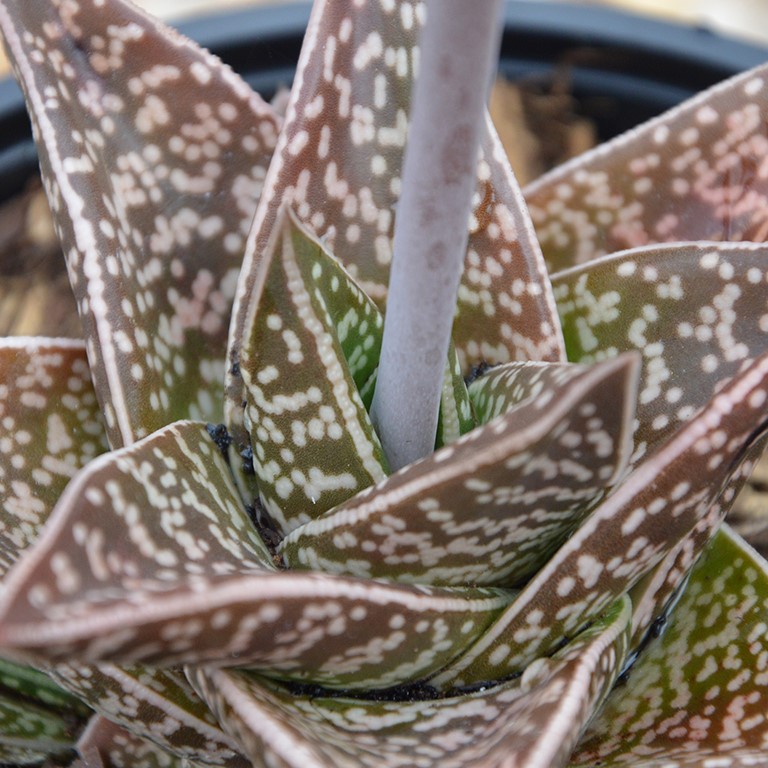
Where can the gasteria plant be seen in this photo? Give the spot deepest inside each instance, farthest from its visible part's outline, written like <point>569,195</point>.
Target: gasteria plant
<point>552,586</point>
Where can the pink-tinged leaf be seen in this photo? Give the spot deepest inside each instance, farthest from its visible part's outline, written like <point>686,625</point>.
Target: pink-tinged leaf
<point>149,559</point>
<point>697,312</point>
<point>697,695</point>
<point>153,155</point>
<point>313,443</point>
<point>492,507</point>
<point>695,173</point>
<point>655,594</point>
<point>661,503</point>
<point>50,427</point>
<point>532,722</point>
<point>160,707</point>
<point>104,744</point>
<point>338,164</point>
<point>313,628</point>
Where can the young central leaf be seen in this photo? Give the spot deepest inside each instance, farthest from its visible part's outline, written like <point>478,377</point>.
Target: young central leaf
<point>313,443</point>
<point>310,369</point>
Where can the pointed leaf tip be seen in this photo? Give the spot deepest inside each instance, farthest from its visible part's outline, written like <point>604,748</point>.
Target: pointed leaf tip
<point>136,128</point>
<point>491,507</point>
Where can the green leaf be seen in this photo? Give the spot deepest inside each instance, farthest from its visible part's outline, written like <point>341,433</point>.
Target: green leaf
<point>697,312</point>
<point>661,503</point>
<point>154,155</point>
<point>313,443</point>
<point>29,732</point>
<point>50,426</point>
<point>532,721</point>
<point>36,685</point>
<point>37,718</point>
<point>338,165</point>
<point>496,391</point>
<point>309,369</point>
<point>694,173</point>
<point>456,417</point>
<point>697,694</point>
<point>492,507</point>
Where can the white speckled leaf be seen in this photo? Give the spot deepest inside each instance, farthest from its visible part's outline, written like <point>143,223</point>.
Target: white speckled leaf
<point>30,732</point>
<point>106,745</point>
<point>156,705</point>
<point>313,443</point>
<point>338,164</point>
<point>37,718</point>
<point>33,684</point>
<point>697,312</point>
<point>184,579</point>
<point>654,595</point>
<point>492,507</point>
<point>50,426</point>
<point>658,505</point>
<point>309,369</point>
<point>312,628</point>
<point>456,417</point>
<point>697,694</point>
<point>532,722</point>
<point>154,154</point>
<point>695,173</point>
<point>496,390</point>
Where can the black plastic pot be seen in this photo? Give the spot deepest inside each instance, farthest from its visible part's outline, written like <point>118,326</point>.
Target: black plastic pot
<point>621,68</point>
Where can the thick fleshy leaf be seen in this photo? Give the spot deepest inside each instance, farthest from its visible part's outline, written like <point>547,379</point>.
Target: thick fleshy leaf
<point>492,507</point>
<point>456,417</point>
<point>695,173</point>
<point>661,503</point>
<point>654,596</point>
<point>30,732</point>
<point>50,426</point>
<point>697,694</point>
<point>159,707</point>
<point>153,154</point>
<point>697,312</point>
<point>106,745</point>
<point>503,387</point>
<point>313,443</point>
<point>532,722</point>
<point>338,164</point>
<point>150,559</point>
<point>282,624</point>
<point>34,684</point>
<point>37,718</point>
<point>309,369</point>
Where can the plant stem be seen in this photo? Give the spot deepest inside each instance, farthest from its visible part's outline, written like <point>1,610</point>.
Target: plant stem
<point>458,50</point>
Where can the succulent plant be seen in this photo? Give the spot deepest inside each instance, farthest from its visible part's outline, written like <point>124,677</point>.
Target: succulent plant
<point>240,580</point>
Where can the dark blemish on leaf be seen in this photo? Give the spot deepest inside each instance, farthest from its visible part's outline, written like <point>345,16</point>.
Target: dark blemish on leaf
<point>247,456</point>
<point>658,626</point>
<point>235,369</point>
<point>478,370</point>
<point>267,530</point>
<point>221,437</point>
